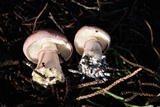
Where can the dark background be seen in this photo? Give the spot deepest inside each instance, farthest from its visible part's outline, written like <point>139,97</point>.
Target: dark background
<point>125,21</point>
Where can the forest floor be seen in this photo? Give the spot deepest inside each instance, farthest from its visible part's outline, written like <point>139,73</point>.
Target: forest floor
<point>134,53</point>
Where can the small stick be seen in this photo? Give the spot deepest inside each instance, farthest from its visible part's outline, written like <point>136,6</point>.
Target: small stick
<point>152,38</point>
<point>86,7</point>
<point>102,91</point>
<point>3,39</point>
<point>9,63</point>
<point>52,18</point>
<point>139,94</point>
<point>151,84</point>
<point>35,22</point>
<point>137,65</point>
<point>98,3</point>
<point>130,98</point>
<point>90,83</point>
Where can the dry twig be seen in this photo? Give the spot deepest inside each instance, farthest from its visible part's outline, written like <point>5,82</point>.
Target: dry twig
<point>90,83</point>
<point>102,91</point>
<point>86,7</point>
<point>52,18</point>
<point>135,94</point>
<point>35,22</point>
<point>137,65</point>
<point>9,63</point>
<point>152,38</point>
<point>151,84</point>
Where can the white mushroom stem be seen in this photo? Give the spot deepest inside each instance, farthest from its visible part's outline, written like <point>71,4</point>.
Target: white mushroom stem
<point>48,70</point>
<point>93,48</point>
<point>93,63</point>
<point>49,57</point>
<point>89,42</point>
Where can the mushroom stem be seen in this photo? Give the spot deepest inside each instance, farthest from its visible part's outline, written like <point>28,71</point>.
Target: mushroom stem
<point>48,59</point>
<point>93,63</point>
<point>48,67</point>
<point>89,42</point>
<point>93,48</point>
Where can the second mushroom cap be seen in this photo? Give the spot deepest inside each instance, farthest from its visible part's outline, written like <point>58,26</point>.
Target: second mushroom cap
<point>86,32</point>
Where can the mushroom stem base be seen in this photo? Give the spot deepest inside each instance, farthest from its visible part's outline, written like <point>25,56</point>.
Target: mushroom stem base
<point>45,76</point>
<point>48,70</point>
<point>93,67</point>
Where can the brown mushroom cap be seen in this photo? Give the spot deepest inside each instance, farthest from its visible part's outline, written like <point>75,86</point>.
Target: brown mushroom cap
<point>34,44</point>
<point>87,32</point>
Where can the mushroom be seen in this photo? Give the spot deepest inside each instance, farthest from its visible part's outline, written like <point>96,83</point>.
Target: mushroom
<point>43,48</point>
<point>89,42</point>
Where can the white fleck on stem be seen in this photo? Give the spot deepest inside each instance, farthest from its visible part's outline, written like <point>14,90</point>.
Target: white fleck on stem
<point>48,70</point>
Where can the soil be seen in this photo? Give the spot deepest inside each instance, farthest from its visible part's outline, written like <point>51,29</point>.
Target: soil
<point>134,29</point>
